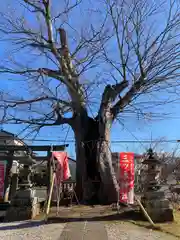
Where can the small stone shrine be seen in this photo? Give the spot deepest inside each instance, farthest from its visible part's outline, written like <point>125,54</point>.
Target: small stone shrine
<point>154,199</point>
<point>27,180</point>
<point>24,204</point>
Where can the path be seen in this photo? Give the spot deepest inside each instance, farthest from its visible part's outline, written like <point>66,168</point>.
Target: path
<point>79,230</point>
<point>30,230</point>
<point>81,224</point>
<point>85,231</point>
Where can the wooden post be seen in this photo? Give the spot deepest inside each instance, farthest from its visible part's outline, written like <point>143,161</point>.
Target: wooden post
<point>49,172</point>
<point>50,197</point>
<point>6,180</point>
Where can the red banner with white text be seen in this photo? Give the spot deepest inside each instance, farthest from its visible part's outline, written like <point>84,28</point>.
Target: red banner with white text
<point>126,176</point>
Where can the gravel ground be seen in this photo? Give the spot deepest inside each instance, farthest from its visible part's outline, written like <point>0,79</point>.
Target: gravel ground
<point>36,230</point>
<point>129,231</point>
<point>30,230</point>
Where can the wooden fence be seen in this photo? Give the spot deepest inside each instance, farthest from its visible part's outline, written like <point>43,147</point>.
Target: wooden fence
<point>66,185</point>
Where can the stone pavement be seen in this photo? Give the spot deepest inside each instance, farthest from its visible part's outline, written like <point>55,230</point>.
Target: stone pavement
<point>84,230</point>
<point>110,231</point>
<point>79,223</point>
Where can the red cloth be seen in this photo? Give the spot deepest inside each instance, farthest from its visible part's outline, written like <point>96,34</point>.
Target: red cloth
<point>2,176</point>
<point>63,171</point>
<point>126,177</point>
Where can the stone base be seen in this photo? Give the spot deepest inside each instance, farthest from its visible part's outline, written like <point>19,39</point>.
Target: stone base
<point>22,213</point>
<point>24,206</point>
<point>154,195</point>
<point>161,215</point>
<point>157,204</point>
<point>158,209</point>
<point>25,193</point>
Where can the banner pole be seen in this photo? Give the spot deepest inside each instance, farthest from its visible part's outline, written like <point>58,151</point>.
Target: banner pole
<point>118,197</point>
<point>50,197</point>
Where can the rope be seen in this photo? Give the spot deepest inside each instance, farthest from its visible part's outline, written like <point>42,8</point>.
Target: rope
<point>112,141</point>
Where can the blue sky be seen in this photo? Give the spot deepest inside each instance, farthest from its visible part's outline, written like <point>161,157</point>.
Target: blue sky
<point>164,129</point>
<point>130,128</point>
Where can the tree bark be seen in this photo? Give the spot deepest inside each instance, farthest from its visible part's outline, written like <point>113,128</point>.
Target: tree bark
<point>95,177</point>
<point>86,136</point>
<point>81,174</point>
<point>109,185</point>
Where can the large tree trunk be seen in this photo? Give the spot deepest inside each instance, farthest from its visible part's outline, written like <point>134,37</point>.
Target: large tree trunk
<point>86,135</point>
<point>96,181</point>
<point>109,185</point>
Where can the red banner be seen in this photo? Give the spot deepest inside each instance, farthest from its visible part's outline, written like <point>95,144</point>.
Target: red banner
<point>2,177</point>
<point>62,173</point>
<point>62,170</point>
<point>126,177</point>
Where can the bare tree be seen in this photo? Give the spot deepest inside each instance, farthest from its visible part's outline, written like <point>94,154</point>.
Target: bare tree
<point>129,49</point>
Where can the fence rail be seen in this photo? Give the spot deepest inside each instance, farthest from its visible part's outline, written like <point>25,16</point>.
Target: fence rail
<point>66,185</point>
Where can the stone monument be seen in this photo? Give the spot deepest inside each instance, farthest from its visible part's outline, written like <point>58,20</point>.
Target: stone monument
<point>154,199</point>
<point>24,204</point>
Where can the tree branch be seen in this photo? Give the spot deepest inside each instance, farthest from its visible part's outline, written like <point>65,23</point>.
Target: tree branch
<point>36,8</point>
<point>64,59</point>
<point>50,30</point>
<point>59,121</point>
<point>132,50</point>
<point>15,103</point>
<point>67,9</point>
<point>110,94</point>
<point>126,99</point>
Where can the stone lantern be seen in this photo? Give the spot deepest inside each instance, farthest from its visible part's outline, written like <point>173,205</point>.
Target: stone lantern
<point>154,199</point>
<point>24,204</point>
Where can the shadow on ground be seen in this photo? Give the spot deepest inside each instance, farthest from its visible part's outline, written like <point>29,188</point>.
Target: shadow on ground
<point>29,224</point>
<point>125,216</point>
<point>128,215</point>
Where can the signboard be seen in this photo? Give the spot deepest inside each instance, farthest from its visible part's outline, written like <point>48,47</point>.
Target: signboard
<point>2,178</point>
<point>126,177</point>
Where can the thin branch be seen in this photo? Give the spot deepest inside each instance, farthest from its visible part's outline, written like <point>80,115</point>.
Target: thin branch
<point>59,121</point>
<point>35,7</point>
<point>40,99</point>
<point>67,9</point>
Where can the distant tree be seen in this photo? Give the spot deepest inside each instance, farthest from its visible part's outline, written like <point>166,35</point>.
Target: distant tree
<point>122,51</point>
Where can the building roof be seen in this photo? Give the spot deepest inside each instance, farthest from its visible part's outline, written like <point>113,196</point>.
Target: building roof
<point>10,135</point>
